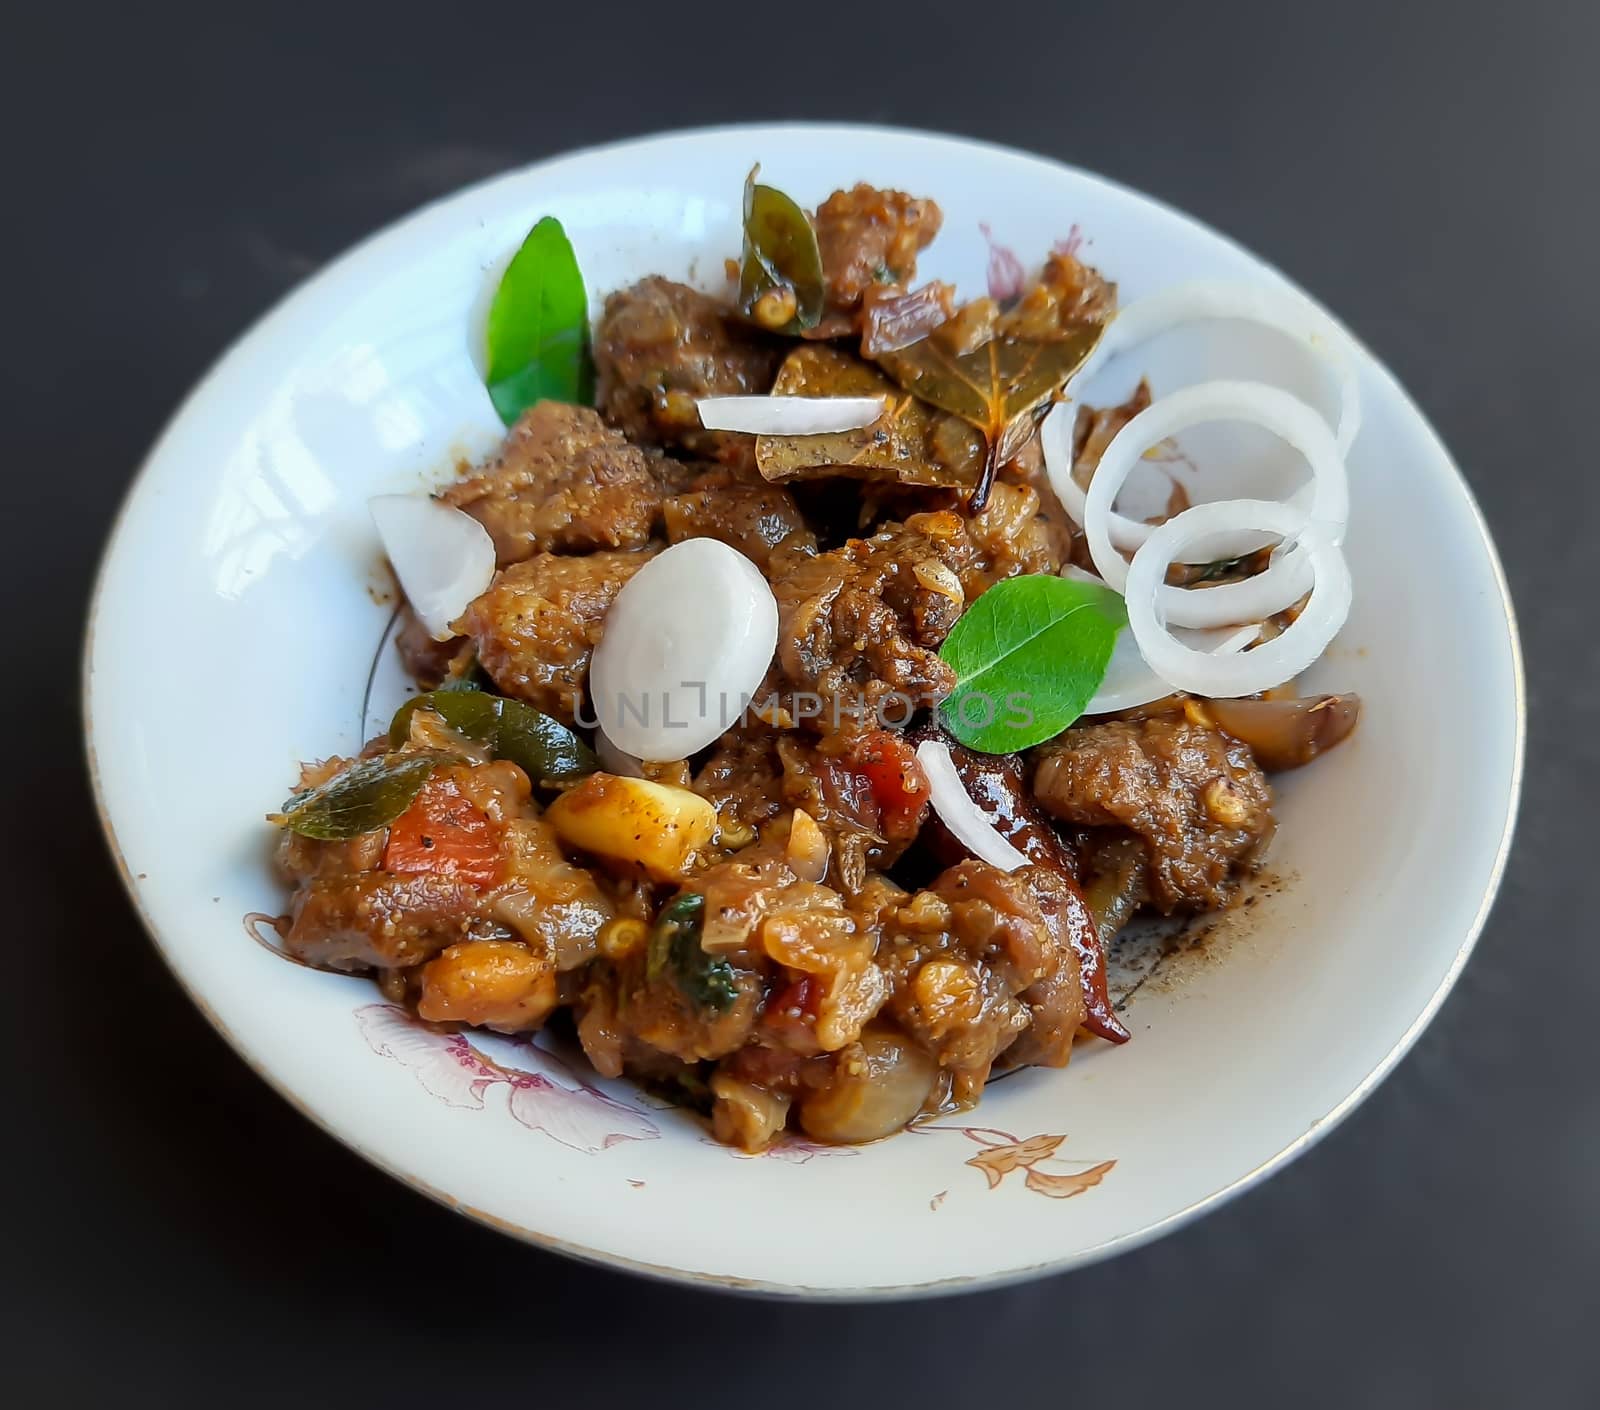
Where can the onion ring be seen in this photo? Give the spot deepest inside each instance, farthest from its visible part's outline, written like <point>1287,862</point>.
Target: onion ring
<point>1055,439</point>
<point>1197,300</point>
<point>1288,577</point>
<point>1269,664</point>
<point>1129,682</point>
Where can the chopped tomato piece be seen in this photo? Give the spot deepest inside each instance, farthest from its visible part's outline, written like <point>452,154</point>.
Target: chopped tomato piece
<point>443,834</point>
<point>889,765</point>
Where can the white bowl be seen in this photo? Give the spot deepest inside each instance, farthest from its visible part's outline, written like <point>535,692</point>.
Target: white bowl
<point>238,609</point>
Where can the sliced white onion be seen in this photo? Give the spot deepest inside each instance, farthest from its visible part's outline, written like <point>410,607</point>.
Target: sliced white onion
<point>1055,437</point>
<point>688,639</point>
<point>443,558</point>
<point>1130,682</point>
<point>1222,642</point>
<point>1197,300</point>
<point>616,761</point>
<point>788,416</point>
<point>1081,575</point>
<point>1288,577</point>
<point>968,822</point>
<point>1272,662</point>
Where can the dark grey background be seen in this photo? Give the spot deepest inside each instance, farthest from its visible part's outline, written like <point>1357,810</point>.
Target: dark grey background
<point>174,1232</point>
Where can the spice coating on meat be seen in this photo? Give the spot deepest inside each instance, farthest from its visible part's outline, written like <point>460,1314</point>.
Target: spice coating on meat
<point>660,347</point>
<point>869,239</point>
<point>538,624</point>
<point>563,482</point>
<point>1194,795</point>
<point>978,960</point>
<point>753,517</point>
<point>860,626</point>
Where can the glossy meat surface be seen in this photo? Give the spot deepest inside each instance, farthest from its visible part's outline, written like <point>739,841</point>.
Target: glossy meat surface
<point>539,622</point>
<point>1196,798</point>
<point>659,347</point>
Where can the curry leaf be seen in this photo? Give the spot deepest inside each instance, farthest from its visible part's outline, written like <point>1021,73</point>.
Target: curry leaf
<point>1028,655</point>
<point>361,799</point>
<point>539,327</point>
<point>999,386</point>
<point>780,270</point>
<point>675,949</point>
<point>541,747</point>
<point>913,442</point>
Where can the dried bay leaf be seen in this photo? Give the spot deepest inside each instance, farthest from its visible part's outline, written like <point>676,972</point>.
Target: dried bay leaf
<point>912,443</point>
<point>998,387</point>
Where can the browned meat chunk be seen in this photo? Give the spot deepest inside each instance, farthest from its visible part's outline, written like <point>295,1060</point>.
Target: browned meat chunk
<point>427,660</point>
<point>869,238</point>
<point>743,778</point>
<point>659,347</point>
<point>751,517</point>
<point>556,907</point>
<point>979,960</point>
<point>301,858</point>
<point>1007,538</point>
<point>1068,295</point>
<point>537,625</point>
<point>374,920</point>
<point>563,482</point>
<point>860,626</point>
<point>469,866</point>
<point>866,795</point>
<point>1196,797</point>
<point>760,912</point>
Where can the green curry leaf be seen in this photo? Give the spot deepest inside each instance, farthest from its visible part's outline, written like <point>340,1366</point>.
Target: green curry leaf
<point>539,327</point>
<point>364,798</point>
<point>543,748</point>
<point>1028,655</point>
<point>780,259</point>
<point>675,949</point>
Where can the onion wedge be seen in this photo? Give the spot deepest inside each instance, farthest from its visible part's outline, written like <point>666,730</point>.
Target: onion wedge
<point>1272,662</point>
<point>614,760</point>
<point>443,557</point>
<point>686,642</point>
<point>967,822</point>
<point>789,416</point>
